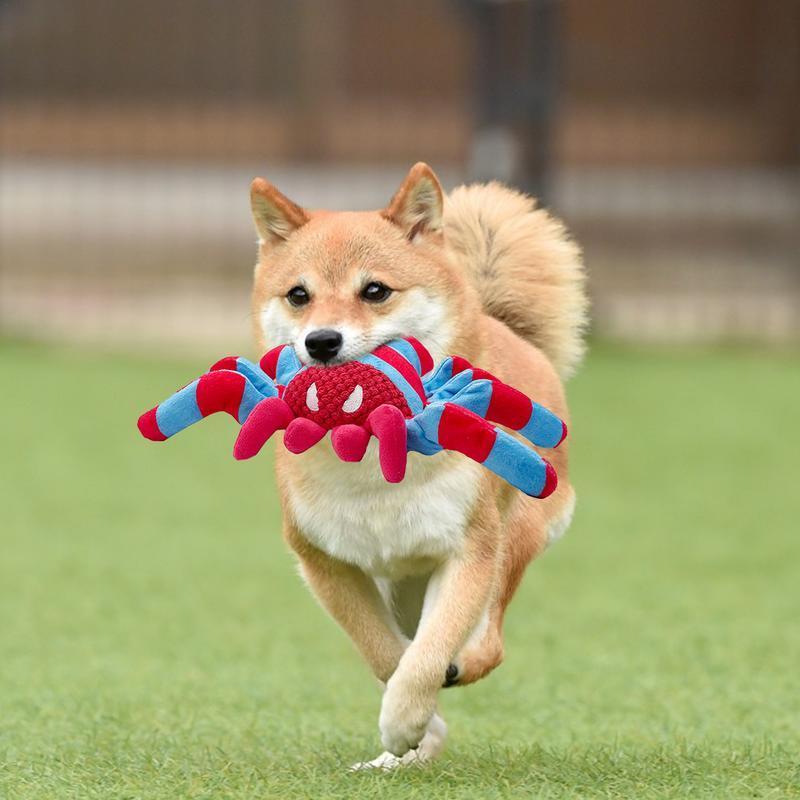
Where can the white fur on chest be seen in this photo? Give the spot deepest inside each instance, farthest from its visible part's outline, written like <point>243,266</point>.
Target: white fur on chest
<point>389,530</point>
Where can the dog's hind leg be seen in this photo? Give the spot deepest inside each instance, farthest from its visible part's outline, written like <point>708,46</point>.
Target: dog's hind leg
<point>482,652</point>
<point>529,531</point>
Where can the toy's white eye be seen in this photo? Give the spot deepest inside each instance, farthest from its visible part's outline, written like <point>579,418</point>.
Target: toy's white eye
<point>312,401</point>
<point>353,403</point>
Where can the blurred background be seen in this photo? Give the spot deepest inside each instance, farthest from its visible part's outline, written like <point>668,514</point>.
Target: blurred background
<point>666,134</point>
<point>155,640</point>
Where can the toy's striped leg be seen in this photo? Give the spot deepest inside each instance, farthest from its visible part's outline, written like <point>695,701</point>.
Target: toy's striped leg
<point>439,377</point>
<point>350,441</point>
<point>498,402</point>
<point>453,427</point>
<point>221,390</point>
<point>389,426</point>
<point>457,381</point>
<point>281,364</point>
<point>451,375</point>
<point>267,417</point>
<point>251,371</point>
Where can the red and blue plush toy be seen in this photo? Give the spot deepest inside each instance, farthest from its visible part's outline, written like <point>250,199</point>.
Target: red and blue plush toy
<point>392,393</point>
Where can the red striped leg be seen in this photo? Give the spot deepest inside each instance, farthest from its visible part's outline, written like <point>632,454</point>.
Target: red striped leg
<point>498,402</point>
<point>222,390</point>
<point>260,380</point>
<point>456,428</point>
<point>267,417</point>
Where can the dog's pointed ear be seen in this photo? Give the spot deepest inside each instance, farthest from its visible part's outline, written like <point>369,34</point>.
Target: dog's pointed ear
<point>276,217</point>
<point>417,206</point>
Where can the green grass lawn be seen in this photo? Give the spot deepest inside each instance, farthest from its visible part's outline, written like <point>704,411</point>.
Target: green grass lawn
<point>155,641</point>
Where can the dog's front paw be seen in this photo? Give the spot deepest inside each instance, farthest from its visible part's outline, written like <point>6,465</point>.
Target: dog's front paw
<point>405,714</point>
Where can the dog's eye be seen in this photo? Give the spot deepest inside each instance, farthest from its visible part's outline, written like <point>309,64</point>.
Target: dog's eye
<point>375,292</point>
<point>297,296</point>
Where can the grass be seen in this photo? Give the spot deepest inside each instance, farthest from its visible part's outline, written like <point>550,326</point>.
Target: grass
<point>155,641</point>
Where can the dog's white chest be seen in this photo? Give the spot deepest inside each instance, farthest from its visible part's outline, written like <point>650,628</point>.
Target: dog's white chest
<point>391,530</point>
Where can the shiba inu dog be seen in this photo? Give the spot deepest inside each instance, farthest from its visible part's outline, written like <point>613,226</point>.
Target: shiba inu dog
<point>419,574</point>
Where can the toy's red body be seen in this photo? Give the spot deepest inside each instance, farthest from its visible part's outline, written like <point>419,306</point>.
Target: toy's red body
<point>362,385</point>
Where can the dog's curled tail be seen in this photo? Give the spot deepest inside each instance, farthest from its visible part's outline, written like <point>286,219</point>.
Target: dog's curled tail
<point>527,270</point>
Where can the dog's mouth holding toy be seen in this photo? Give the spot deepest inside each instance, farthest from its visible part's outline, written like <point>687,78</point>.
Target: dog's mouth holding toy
<point>393,393</point>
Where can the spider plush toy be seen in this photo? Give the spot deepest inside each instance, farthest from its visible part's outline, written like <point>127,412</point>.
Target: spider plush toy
<point>392,393</point>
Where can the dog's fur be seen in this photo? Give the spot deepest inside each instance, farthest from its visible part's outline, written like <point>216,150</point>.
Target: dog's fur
<point>419,574</point>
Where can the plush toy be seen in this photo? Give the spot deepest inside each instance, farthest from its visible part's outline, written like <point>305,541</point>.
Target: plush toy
<point>392,393</point>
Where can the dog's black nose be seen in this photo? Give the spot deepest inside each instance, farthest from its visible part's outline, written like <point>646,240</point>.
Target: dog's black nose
<point>324,344</point>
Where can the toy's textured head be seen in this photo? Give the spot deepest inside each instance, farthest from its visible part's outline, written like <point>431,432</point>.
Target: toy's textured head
<point>332,396</point>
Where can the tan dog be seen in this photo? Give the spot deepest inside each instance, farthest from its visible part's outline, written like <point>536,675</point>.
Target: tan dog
<point>419,574</point>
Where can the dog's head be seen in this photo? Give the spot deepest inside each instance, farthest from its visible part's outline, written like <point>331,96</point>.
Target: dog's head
<point>336,285</point>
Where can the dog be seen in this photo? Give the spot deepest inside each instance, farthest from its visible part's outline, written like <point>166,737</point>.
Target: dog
<point>419,574</point>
